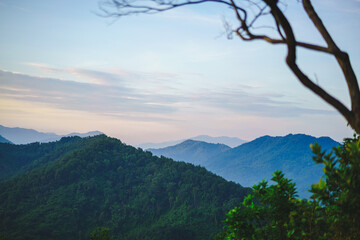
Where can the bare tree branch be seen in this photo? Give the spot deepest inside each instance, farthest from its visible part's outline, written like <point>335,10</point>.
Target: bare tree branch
<point>246,31</point>
<point>341,57</point>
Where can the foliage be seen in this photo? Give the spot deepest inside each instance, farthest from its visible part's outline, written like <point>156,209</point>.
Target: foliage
<point>17,159</point>
<point>339,190</point>
<point>274,212</point>
<point>100,233</point>
<point>99,181</point>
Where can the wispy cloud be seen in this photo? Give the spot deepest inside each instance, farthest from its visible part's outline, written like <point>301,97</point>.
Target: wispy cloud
<point>91,76</point>
<point>256,104</point>
<point>79,96</point>
<point>110,77</point>
<point>121,101</point>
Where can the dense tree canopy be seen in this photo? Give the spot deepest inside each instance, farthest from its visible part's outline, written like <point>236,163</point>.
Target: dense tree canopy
<point>274,212</point>
<point>79,184</point>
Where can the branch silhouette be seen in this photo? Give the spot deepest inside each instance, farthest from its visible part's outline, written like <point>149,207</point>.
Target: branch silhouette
<point>247,14</point>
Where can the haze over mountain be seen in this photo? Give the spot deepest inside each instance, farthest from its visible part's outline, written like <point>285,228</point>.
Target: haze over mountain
<point>190,149</point>
<point>229,141</point>
<point>251,162</point>
<point>4,140</point>
<point>23,135</point>
<point>65,189</point>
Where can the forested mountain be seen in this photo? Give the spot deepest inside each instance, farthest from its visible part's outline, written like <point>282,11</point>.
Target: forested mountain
<point>251,162</point>
<point>229,141</point>
<point>17,159</point>
<point>4,140</point>
<point>257,160</point>
<point>24,136</point>
<point>190,149</point>
<point>68,188</point>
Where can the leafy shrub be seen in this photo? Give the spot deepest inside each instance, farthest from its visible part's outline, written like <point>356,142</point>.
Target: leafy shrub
<point>274,212</point>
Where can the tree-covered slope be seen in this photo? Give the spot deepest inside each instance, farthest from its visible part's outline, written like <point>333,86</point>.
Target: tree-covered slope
<point>16,159</point>
<point>102,182</point>
<point>197,151</point>
<point>258,159</point>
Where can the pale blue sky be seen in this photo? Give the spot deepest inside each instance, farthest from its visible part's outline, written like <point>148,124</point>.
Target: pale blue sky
<point>162,77</point>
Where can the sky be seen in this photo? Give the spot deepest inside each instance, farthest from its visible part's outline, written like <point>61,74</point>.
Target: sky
<point>175,75</point>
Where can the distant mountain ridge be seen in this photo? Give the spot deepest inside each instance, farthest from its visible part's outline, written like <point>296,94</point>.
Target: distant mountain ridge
<point>190,149</point>
<point>4,140</point>
<point>229,141</point>
<point>24,136</point>
<point>253,161</point>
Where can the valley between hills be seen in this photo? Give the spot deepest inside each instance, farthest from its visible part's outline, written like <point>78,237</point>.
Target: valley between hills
<point>65,189</point>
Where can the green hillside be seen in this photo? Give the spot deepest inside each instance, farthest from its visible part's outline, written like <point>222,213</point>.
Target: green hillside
<point>17,159</point>
<point>99,181</point>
